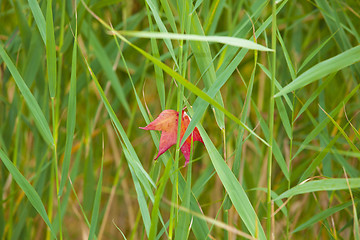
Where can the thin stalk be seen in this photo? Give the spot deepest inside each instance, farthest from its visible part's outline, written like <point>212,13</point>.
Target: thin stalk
<point>51,200</point>
<point>271,121</point>
<point>55,163</point>
<point>289,168</point>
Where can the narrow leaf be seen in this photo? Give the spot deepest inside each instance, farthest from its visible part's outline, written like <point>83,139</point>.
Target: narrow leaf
<point>50,50</point>
<point>321,185</point>
<point>233,41</point>
<point>236,193</point>
<point>71,118</point>
<point>323,215</point>
<point>322,69</point>
<point>29,190</point>
<point>34,107</point>
<point>39,18</point>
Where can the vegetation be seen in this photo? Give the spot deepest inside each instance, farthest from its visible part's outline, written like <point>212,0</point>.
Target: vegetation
<point>272,87</point>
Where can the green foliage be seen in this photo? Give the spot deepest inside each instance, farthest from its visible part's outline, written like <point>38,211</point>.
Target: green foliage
<point>272,86</point>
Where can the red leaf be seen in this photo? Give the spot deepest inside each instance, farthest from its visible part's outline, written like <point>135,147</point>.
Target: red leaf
<point>167,123</point>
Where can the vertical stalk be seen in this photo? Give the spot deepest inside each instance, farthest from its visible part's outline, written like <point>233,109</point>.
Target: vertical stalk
<point>289,169</point>
<point>55,163</point>
<point>271,121</point>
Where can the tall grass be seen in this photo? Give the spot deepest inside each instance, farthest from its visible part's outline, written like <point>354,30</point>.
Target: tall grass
<point>272,86</point>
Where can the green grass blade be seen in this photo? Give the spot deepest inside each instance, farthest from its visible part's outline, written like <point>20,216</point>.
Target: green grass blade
<point>277,85</point>
<point>29,190</point>
<point>233,188</point>
<point>313,53</point>
<point>276,149</point>
<point>289,63</point>
<point>39,18</point>
<point>321,216</point>
<point>314,95</point>
<point>71,118</point>
<point>322,69</point>
<point>50,50</point>
<point>140,194</point>
<point>321,185</point>
<point>351,144</point>
<point>232,41</point>
<point>284,117</point>
<point>34,107</point>
<point>159,193</point>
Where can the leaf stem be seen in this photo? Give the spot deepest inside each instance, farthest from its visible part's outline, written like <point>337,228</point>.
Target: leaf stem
<point>269,226</point>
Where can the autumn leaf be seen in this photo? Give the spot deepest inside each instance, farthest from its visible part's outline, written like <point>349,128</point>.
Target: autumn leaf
<point>167,123</point>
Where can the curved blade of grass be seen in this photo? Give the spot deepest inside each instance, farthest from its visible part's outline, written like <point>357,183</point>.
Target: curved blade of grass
<point>314,95</point>
<point>30,100</point>
<point>39,18</point>
<point>140,194</point>
<point>71,118</point>
<point>313,53</point>
<point>159,193</point>
<point>29,190</point>
<point>322,69</point>
<point>289,63</point>
<point>352,145</point>
<point>321,185</point>
<point>119,230</point>
<point>236,193</point>
<point>233,41</point>
<point>276,149</point>
<point>50,50</point>
<point>277,85</point>
<point>321,216</point>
